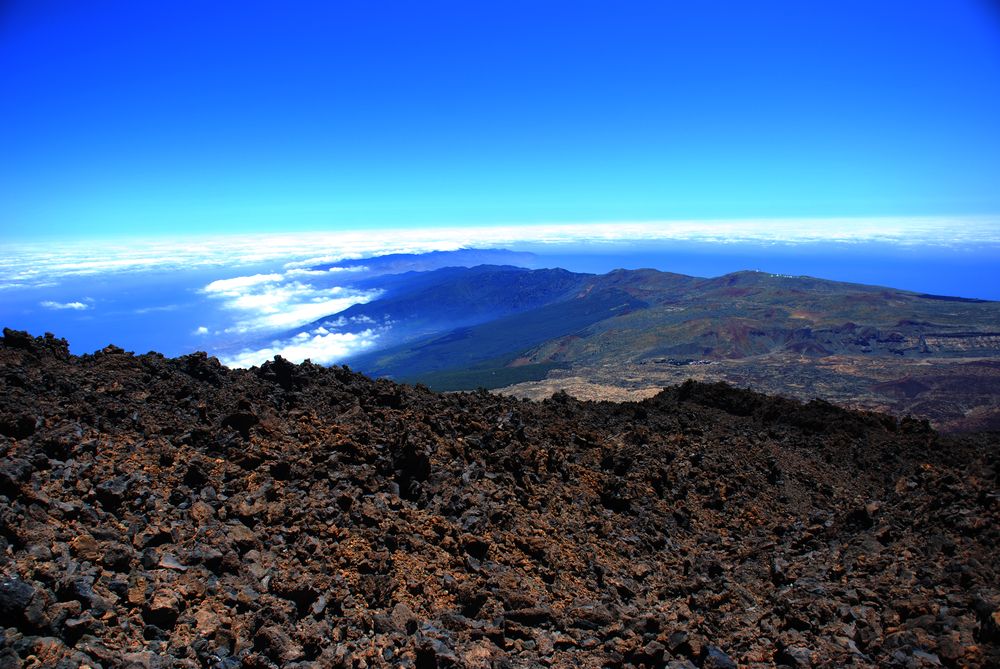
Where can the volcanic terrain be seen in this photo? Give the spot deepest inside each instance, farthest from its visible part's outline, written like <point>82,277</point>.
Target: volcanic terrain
<point>163,512</point>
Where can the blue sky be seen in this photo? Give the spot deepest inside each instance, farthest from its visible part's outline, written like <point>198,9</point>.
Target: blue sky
<point>129,118</point>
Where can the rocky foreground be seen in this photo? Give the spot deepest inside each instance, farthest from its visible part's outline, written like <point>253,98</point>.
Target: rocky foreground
<point>174,513</point>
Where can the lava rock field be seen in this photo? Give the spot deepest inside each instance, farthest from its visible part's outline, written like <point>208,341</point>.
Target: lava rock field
<point>161,512</point>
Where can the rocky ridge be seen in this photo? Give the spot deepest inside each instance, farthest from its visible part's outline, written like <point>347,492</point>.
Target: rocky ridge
<point>171,512</point>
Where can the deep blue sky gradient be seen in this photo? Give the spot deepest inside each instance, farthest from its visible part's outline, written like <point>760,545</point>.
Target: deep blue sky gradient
<point>180,117</point>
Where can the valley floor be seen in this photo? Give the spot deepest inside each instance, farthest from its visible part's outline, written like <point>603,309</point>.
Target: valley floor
<point>954,394</point>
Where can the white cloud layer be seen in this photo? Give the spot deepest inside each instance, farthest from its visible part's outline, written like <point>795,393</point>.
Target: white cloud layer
<point>77,306</point>
<point>34,264</point>
<point>296,271</point>
<point>272,302</point>
<point>234,285</point>
<point>320,345</point>
<point>161,308</point>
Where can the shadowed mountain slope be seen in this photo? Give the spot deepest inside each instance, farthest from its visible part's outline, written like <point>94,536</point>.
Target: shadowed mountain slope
<point>416,303</point>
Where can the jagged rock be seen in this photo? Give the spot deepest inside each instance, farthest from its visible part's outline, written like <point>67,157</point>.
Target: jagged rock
<point>117,557</point>
<point>111,493</point>
<point>163,609</point>
<point>14,472</point>
<point>277,645</point>
<point>715,658</point>
<point>403,619</point>
<point>15,595</point>
<point>796,656</point>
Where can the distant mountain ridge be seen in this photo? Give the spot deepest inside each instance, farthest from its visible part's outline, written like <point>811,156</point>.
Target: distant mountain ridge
<point>636,314</point>
<point>494,326</point>
<point>400,263</point>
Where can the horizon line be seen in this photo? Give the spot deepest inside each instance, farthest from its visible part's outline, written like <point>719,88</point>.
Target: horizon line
<point>678,229</point>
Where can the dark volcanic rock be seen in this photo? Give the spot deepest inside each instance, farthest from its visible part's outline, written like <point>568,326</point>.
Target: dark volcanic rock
<point>15,595</point>
<point>716,659</point>
<point>162,513</point>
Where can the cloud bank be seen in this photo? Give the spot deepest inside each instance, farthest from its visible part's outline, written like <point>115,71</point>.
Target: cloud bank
<point>77,306</point>
<point>319,345</point>
<point>241,282</point>
<point>278,302</point>
<point>283,288</point>
<point>269,302</point>
<point>38,264</point>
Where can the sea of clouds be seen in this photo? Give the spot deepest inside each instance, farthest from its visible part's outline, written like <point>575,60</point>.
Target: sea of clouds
<point>298,289</point>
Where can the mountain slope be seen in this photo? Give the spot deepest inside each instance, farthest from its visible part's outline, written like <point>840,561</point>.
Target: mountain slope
<point>636,329</point>
<point>750,313</point>
<point>458,296</point>
<point>418,304</point>
<point>464,348</point>
<point>172,512</point>
<point>734,316</point>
